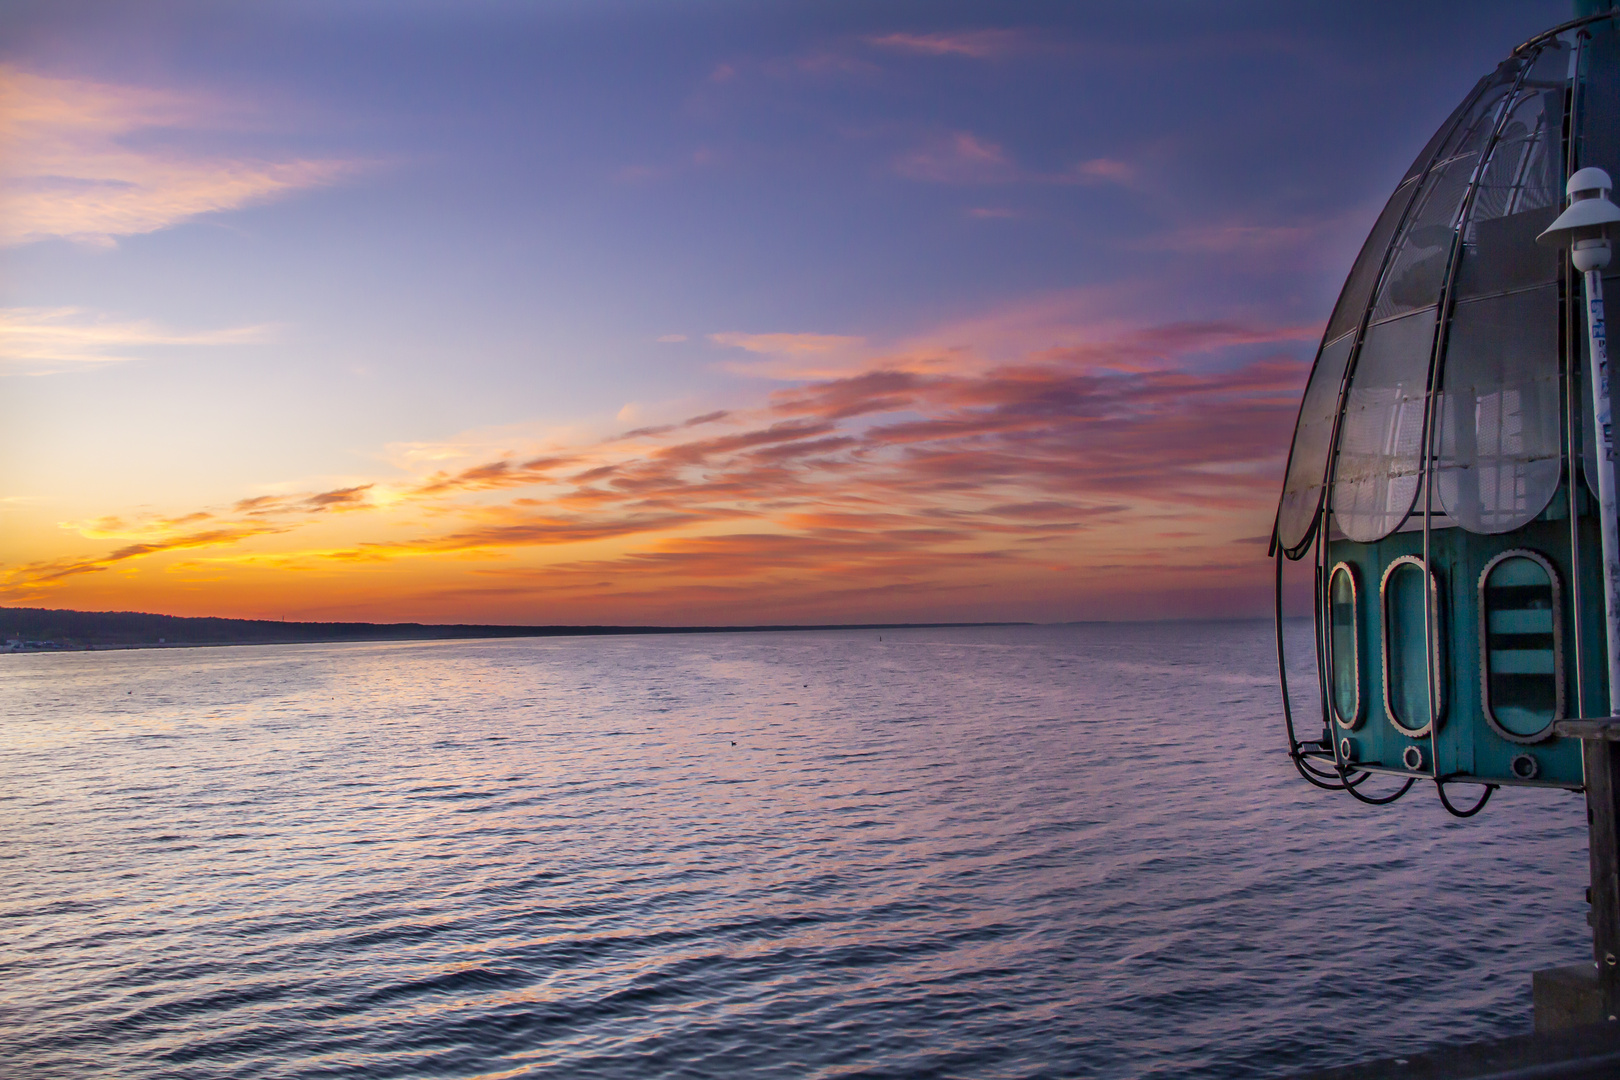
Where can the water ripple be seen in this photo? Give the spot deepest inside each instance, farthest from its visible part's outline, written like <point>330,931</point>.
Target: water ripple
<point>1021,852</point>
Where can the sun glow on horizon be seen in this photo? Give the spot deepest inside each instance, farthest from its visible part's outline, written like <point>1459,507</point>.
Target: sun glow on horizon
<point>933,492</point>
<point>730,316</point>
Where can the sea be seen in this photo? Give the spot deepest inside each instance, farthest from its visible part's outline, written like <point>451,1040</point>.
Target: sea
<point>1033,851</point>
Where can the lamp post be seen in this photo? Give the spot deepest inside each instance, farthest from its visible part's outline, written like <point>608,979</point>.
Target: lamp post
<point>1584,229</point>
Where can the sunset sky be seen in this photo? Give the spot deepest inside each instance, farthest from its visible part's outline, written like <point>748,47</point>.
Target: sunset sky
<point>704,312</point>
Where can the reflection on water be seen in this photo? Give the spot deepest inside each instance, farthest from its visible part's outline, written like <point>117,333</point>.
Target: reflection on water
<point>990,853</point>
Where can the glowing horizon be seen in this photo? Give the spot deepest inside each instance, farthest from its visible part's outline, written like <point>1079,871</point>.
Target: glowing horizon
<point>723,317</point>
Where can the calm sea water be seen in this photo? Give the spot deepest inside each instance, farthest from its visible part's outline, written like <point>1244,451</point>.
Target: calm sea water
<point>1022,852</point>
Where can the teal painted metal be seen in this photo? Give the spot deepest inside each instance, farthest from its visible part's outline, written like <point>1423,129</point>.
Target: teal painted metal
<point>1466,744</point>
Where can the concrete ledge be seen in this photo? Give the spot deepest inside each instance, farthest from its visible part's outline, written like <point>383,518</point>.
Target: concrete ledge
<point>1607,729</point>
<point>1583,1053</point>
<point>1567,997</point>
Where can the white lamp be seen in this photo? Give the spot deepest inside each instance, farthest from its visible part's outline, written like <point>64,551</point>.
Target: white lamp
<point>1585,225</point>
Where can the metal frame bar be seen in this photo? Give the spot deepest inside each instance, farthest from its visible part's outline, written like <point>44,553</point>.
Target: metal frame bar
<point>1296,752</point>
<point>1437,362</point>
<point>1572,404</point>
<point>1565,27</point>
<point>1447,778</point>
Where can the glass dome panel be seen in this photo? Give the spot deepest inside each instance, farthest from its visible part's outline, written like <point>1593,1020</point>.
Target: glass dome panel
<point>1417,269</point>
<point>1358,286</point>
<point>1598,126</point>
<point>1377,470</point>
<point>1499,446</point>
<point>1501,254</point>
<point>1375,478</point>
<point>1529,176</point>
<point>1313,436</point>
<point>1464,133</point>
<point>1520,189</point>
<point>1421,162</point>
<point>1499,437</point>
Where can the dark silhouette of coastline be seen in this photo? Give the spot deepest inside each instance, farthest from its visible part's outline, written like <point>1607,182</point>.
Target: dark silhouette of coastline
<point>42,629</point>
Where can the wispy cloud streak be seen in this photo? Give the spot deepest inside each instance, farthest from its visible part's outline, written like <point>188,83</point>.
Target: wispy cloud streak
<point>895,477</point>
<point>973,44</point>
<point>43,341</point>
<point>72,166</point>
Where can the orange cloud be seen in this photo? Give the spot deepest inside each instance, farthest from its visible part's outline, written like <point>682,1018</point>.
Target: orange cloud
<point>36,574</point>
<point>963,481</point>
<point>341,499</point>
<point>492,475</point>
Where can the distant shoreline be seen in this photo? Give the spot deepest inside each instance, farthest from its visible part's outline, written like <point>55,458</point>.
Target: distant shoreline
<point>42,630</point>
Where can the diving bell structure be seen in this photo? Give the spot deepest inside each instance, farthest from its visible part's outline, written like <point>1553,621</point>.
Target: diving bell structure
<point>1444,476</point>
<point>1452,476</point>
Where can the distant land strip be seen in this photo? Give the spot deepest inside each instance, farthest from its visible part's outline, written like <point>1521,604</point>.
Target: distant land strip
<point>44,629</point>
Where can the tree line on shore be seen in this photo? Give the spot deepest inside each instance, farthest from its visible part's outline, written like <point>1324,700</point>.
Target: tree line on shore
<point>90,629</point>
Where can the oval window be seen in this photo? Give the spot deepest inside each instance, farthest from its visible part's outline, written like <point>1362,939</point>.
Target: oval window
<point>1343,634</point>
<point>1406,688</point>
<point>1521,646</point>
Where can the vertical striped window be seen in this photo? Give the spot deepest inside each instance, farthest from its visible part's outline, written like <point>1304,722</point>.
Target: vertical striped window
<point>1406,687</point>
<point>1521,646</point>
<point>1344,631</point>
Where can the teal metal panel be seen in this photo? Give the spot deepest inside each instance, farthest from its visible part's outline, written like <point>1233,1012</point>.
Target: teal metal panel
<point>1465,743</point>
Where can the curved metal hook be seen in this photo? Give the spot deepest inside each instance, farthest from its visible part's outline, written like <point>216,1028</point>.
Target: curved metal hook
<point>1318,778</point>
<point>1440,787</point>
<point>1383,800</point>
<point>1342,778</point>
